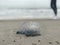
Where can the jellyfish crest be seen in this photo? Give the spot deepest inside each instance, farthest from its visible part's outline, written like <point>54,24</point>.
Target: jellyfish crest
<point>31,26</point>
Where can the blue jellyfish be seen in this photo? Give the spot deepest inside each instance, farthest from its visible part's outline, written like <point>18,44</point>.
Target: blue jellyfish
<point>29,33</point>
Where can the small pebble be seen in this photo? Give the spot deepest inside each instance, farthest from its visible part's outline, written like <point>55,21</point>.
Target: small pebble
<point>34,44</point>
<point>3,40</point>
<point>38,40</point>
<point>57,42</point>
<point>14,41</point>
<point>50,42</point>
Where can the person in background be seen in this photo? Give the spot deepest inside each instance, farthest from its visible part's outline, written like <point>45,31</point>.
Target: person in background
<point>54,7</point>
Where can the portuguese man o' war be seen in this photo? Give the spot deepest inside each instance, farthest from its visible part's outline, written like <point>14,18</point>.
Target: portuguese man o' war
<point>29,33</point>
<point>30,29</point>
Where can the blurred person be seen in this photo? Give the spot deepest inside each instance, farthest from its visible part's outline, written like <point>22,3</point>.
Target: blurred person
<point>54,7</point>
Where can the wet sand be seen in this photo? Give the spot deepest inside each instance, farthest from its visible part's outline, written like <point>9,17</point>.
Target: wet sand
<point>50,32</point>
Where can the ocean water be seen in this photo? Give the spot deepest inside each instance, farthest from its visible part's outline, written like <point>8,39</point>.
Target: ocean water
<point>26,13</point>
<point>26,3</point>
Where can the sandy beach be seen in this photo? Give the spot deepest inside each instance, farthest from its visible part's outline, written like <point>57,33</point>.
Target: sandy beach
<point>50,32</point>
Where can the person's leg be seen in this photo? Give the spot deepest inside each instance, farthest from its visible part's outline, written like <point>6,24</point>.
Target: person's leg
<point>55,9</point>
<point>53,6</point>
